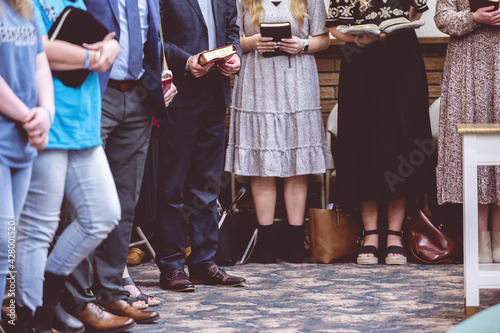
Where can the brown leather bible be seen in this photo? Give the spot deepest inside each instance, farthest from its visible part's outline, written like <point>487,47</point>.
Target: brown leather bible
<point>217,54</point>
<point>278,31</point>
<point>476,4</point>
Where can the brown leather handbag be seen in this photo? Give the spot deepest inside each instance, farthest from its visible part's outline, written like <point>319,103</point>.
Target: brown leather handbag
<point>335,235</point>
<point>430,241</point>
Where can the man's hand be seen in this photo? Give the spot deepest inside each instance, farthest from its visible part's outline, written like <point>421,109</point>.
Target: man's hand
<point>230,66</point>
<point>169,95</point>
<point>109,49</point>
<point>37,123</point>
<point>485,16</point>
<point>195,68</point>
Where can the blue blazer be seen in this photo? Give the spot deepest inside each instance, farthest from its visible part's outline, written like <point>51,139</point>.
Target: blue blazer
<point>106,11</point>
<point>186,34</point>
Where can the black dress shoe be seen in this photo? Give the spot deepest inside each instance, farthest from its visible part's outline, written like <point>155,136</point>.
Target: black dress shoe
<point>65,323</point>
<point>214,275</point>
<point>176,280</point>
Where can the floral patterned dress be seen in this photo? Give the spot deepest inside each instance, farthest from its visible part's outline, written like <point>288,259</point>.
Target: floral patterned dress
<point>470,94</point>
<point>384,147</point>
<point>276,126</point>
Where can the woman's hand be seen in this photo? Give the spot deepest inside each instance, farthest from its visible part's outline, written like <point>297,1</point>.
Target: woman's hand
<point>262,44</point>
<point>366,39</point>
<point>292,45</point>
<point>39,142</point>
<point>108,48</point>
<point>485,16</point>
<point>170,94</point>
<point>37,123</point>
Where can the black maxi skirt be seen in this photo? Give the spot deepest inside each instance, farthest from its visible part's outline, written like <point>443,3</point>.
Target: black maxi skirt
<point>384,144</point>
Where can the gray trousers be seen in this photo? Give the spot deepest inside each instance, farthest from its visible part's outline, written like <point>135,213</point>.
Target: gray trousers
<point>125,131</point>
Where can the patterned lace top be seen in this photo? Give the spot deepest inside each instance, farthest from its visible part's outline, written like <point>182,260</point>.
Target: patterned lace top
<point>347,11</point>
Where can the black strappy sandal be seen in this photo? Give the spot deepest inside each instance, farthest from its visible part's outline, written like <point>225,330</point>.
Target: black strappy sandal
<point>395,249</point>
<point>368,249</point>
<point>147,299</point>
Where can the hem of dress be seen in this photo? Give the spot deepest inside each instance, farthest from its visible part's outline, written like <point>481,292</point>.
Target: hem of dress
<point>277,175</point>
<point>260,112</point>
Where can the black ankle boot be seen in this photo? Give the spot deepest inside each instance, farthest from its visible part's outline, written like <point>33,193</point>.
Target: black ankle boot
<point>44,315</point>
<point>296,251</point>
<point>65,323</point>
<point>266,244</point>
<point>21,323</point>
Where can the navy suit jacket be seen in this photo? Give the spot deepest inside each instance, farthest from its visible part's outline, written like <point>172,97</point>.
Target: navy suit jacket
<point>106,11</point>
<point>186,34</point>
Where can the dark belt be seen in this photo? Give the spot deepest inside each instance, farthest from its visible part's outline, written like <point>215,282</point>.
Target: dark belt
<point>124,85</point>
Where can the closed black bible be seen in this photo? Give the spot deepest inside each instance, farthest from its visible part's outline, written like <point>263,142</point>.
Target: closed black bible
<point>278,31</point>
<point>76,26</point>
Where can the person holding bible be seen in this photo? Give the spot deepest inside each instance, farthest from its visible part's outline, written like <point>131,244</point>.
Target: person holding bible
<point>470,94</point>
<point>73,165</point>
<point>276,128</point>
<point>384,145</point>
<point>191,142</point>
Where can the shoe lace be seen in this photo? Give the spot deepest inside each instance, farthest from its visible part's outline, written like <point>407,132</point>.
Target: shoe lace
<point>100,308</point>
<point>177,272</point>
<point>216,270</point>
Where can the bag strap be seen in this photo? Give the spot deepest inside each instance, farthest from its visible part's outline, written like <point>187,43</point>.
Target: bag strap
<point>162,55</point>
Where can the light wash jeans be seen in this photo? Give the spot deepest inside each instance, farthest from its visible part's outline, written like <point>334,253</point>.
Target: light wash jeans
<point>13,189</point>
<point>84,177</point>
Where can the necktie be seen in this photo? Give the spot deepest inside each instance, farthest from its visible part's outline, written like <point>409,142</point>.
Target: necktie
<point>135,39</point>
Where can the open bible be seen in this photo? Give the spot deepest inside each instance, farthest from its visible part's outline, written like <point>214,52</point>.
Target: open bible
<point>217,54</point>
<point>387,26</point>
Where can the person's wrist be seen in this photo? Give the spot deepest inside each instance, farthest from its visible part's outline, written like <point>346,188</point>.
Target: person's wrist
<point>49,113</point>
<point>87,59</point>
<point>305,46</point>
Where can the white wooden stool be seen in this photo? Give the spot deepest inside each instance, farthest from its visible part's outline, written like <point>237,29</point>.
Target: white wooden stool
<point>144,240</point>
<point>481,146</point>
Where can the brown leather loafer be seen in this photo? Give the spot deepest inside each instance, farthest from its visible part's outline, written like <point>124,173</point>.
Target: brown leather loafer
<point>176,280</point>
<point>95,318</point>
<point>214,275</point>
<point>135,256</point>
<point>123,308</point>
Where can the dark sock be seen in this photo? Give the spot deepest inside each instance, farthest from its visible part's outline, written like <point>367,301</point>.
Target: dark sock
<point>296,251</point>
<point>266,244</point>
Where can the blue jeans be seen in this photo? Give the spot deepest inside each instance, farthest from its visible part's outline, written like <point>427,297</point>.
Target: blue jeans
<point>84,177</point>
<point>13,188</point>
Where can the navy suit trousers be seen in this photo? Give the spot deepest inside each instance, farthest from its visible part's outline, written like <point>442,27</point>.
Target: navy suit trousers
<point>191,149</point>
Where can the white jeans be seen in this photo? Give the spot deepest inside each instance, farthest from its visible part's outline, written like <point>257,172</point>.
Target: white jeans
<point>84,177</point>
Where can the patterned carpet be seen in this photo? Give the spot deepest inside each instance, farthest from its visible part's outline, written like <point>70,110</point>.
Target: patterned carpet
<point>316,298</point>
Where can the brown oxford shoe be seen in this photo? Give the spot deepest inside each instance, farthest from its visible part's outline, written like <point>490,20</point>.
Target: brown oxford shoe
<point>214,275</point>
<point>123,308</point>
<point>176,280</point>
<point>96,319</point>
